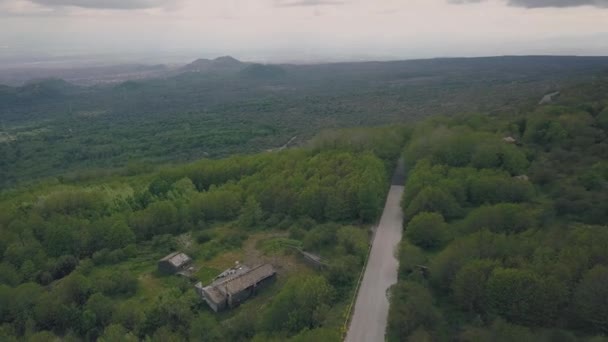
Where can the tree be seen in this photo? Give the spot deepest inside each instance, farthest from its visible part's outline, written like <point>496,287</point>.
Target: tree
<point>521,296</point>
<point>427,230</point>
<point>48,313</point>
<point>170,311</point>
<point>489,188</point>
<point>319,334</point>
<point>116,332</point>
<point>502,217</point>
<point>487,156</point>
<point>311,202</point>
<point>410,258</point>
<point>343,271</point>
<point>514,160</point>
<point>251,213</point>
<point>128,314</point>
<point>43,336</point>
<point>118,235</point>
<point>354,241</point>
<point>9,275</point>
<point>302,303</point>
<point>320,237</point>
<point>74,288</point>
<point>498,331</point>
<point>61,240</point>
<point>514,294</point>
<point>411,308</point>
<point>453,147</point>
<point>432,199</point>
<point>21,303</point>
<point>336,206</point>
<point>469,285</point>
<point>160,186</point>
<point>64,265</point>
<point>27,270</point>
<point>158,218</point>
<point>102,307</point>
<point>602,119</point>
<point>205,328</point>
<point>165,334</point>
<point>590,298</point>
<point>116,283</point>
<point>544,131</point>
<point>370,201</point>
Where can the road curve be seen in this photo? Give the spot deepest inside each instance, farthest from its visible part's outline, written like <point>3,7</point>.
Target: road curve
<point>369,320</point>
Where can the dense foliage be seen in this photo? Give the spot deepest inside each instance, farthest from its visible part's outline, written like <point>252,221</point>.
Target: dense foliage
<point>77,258</point>
<point>51,127</point>
<point>505,239</point>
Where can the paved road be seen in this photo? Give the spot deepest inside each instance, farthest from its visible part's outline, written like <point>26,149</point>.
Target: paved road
<point>371,308</point>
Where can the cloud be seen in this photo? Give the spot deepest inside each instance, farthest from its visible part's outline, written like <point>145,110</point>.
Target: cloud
<point>461,2</point>
<point>558,3</point>
<point>105,4</point>
<point>299,3</point>
<point>543,3</point>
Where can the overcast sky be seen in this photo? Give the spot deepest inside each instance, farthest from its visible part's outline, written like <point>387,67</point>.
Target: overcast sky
<point>305,29</point>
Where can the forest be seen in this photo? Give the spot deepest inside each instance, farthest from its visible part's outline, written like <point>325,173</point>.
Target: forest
<point>78,256</point>
<point>505,204</point>
<point>51,127</point>
<point>505,226</point>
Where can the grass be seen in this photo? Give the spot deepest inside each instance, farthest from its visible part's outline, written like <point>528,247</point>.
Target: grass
<point>274,246</point>
<point>206,274</point>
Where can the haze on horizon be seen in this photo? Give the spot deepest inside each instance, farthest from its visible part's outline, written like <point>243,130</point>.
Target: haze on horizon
<point>302,30</point>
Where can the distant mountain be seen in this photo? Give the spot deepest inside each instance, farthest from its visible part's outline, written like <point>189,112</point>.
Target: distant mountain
<point>39,98</point>
<point>224,63</point>
<point>38,91</point>
<point>84,76</point>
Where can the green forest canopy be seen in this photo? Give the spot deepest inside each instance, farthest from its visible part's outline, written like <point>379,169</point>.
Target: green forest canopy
<point>511,233</point>
<point>77,257</point>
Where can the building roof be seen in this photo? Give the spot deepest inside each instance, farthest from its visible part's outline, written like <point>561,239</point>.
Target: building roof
<point>214,294</point>
<point>245,280</point>
<point>218,291</point>
<point>230,273</point>
<point>177,259</point>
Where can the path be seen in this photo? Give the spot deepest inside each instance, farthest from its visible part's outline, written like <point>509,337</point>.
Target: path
<point>369,320</point>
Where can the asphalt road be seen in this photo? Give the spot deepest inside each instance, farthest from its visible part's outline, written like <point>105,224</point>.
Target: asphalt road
<point>371,308</point>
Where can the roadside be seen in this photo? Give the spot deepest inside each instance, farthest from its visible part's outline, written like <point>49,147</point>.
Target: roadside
<point>371,308</point>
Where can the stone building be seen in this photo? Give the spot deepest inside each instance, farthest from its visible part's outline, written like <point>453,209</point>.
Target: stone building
<point>235,285</point>
<point>174,263</point>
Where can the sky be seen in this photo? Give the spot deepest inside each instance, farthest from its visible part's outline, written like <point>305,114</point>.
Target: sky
<point>302,30</point>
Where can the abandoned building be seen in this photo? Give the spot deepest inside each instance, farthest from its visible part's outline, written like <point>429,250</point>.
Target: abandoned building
<point>235,285</point>
<point>174,263</point>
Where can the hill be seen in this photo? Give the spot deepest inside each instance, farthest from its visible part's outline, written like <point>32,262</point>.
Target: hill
<point>244,108</point>
<point>220,64</point>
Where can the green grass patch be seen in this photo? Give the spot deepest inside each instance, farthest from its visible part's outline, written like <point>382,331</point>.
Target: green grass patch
<point>206,274</point>
<point>275,246</point>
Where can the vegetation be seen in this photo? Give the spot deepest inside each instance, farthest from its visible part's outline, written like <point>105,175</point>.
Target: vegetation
<point>213,109</point>
<point>505,239</point>
<point>78,258</point>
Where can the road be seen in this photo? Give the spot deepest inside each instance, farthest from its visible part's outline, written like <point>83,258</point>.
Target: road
<point>371,308</point>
